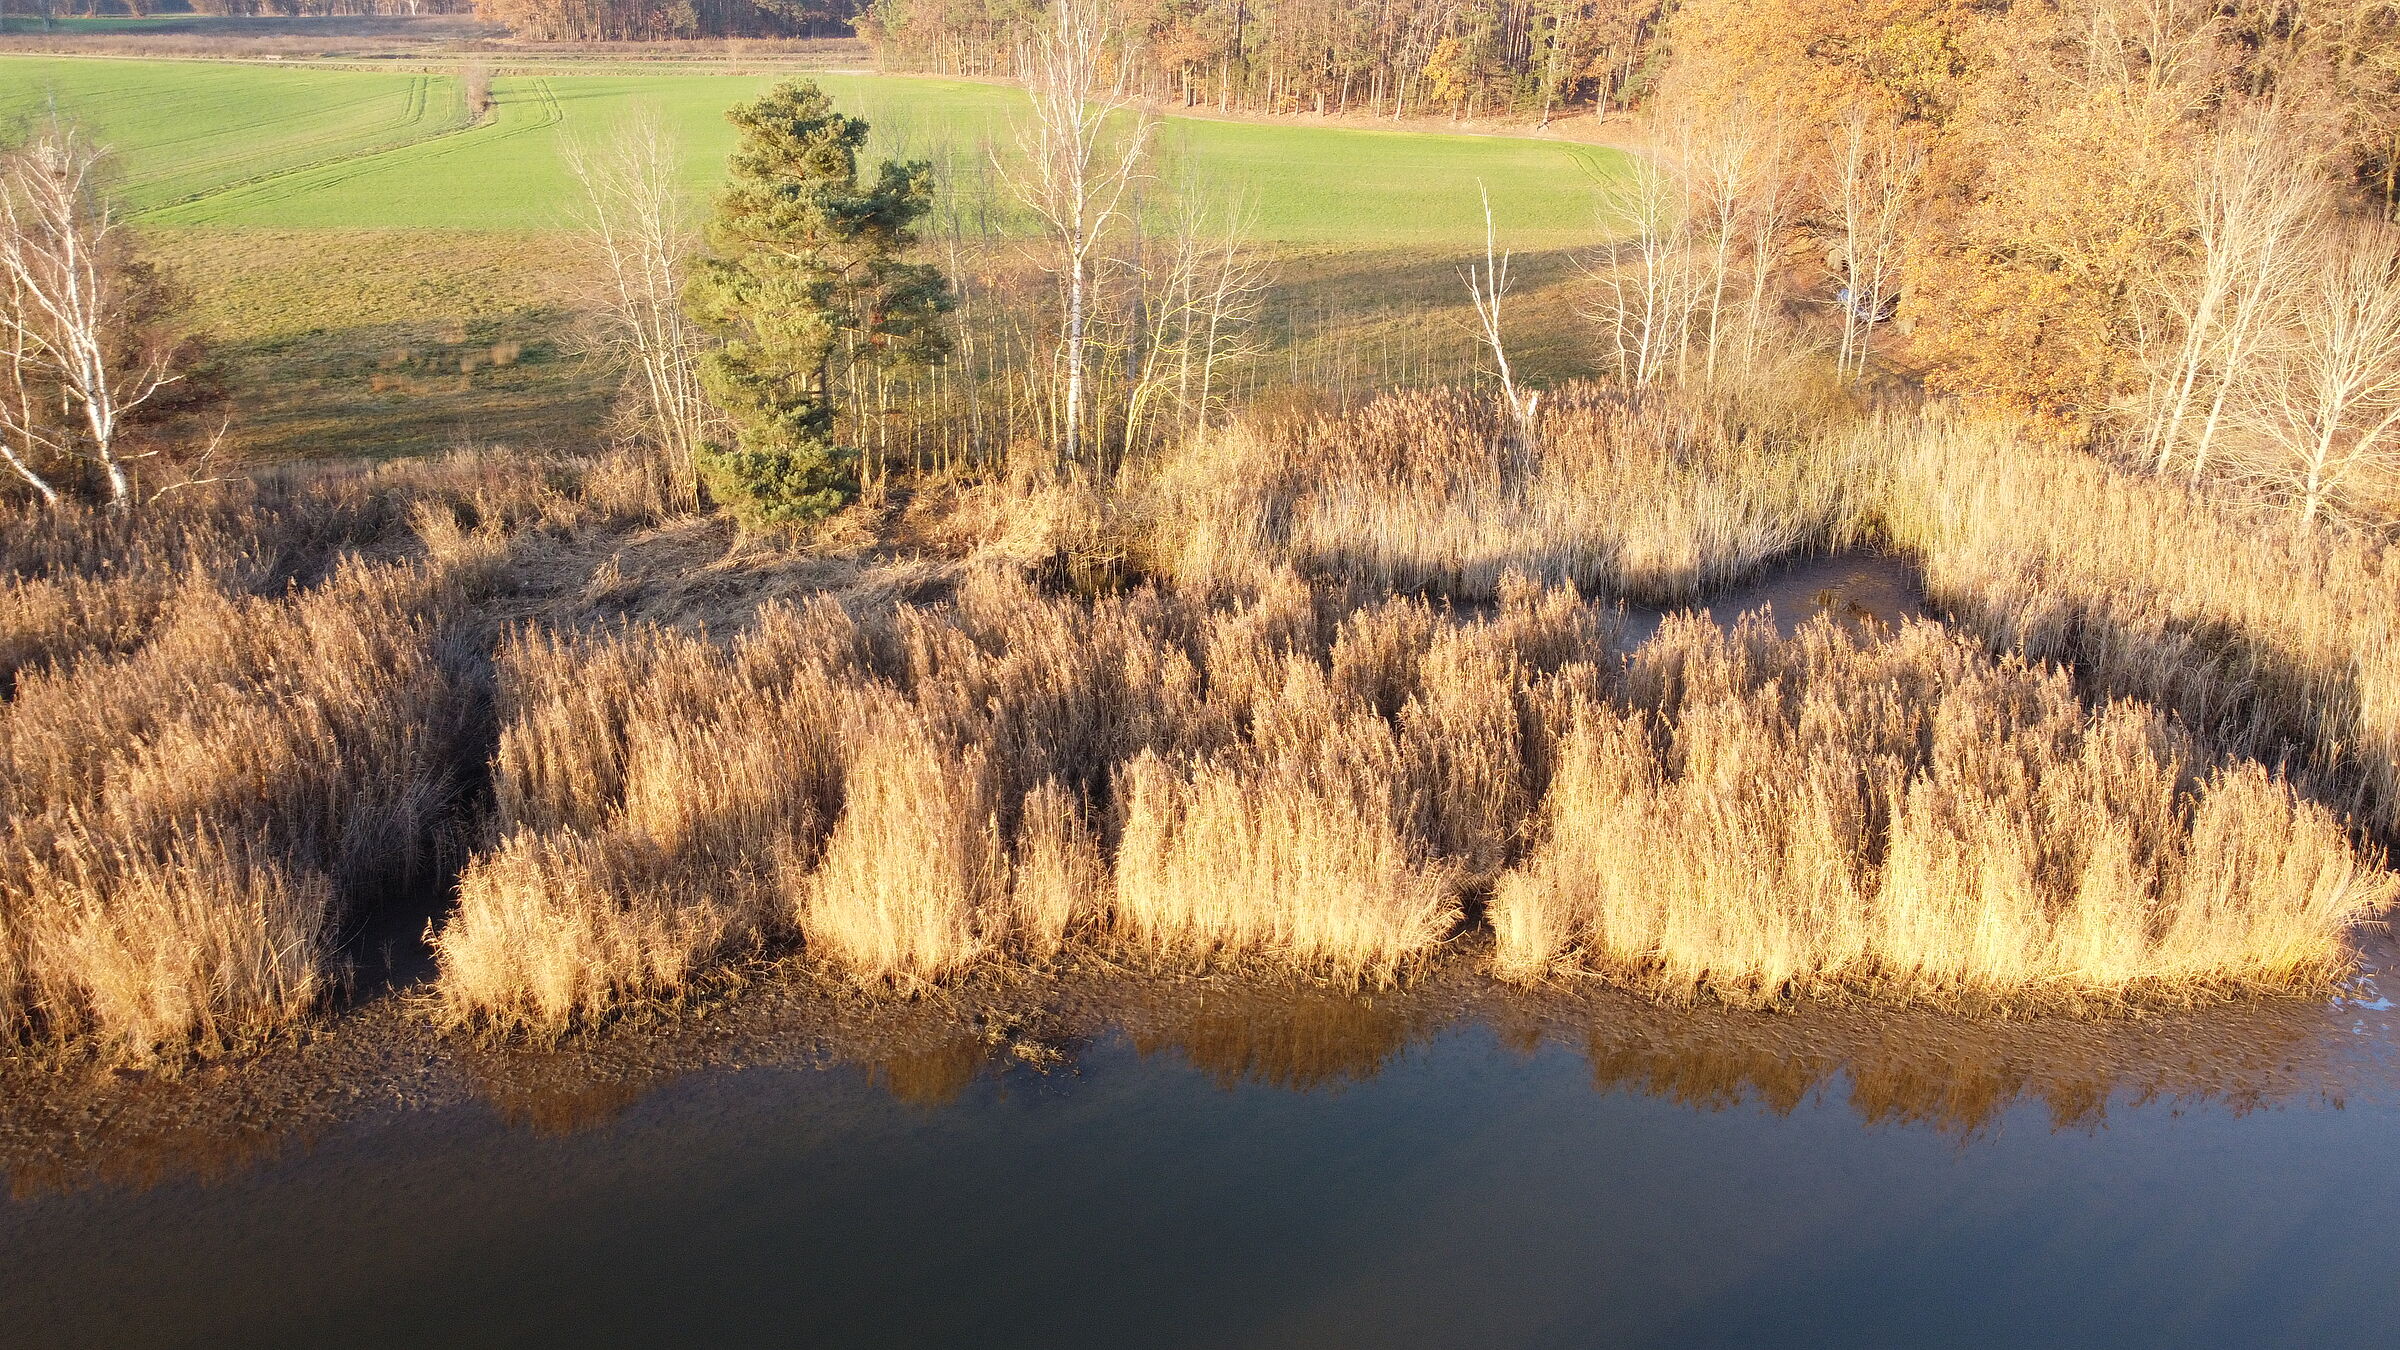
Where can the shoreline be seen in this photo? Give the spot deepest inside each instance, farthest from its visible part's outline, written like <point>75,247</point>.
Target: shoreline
<point>68,1126</point>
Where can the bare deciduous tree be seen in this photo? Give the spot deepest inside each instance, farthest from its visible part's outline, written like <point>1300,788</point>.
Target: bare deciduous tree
<point>1082,151</point>
<point>633,220</point>
<point>1705,209</point>
<point>1487,288</point>
<point>1645,279</point>
<point>2252,212</point>
<point>74,324</point>
<point>2324,403</point>
<point>1874,175</point>
<point>1199,302</point>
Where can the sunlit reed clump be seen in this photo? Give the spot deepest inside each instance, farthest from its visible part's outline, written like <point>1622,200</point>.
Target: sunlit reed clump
<point>1759,817</point>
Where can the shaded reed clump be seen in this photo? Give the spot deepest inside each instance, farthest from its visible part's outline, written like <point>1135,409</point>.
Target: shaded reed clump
<point>1756,817</point>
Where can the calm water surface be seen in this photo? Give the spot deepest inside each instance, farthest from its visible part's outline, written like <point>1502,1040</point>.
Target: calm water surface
<point>1467,1194</point>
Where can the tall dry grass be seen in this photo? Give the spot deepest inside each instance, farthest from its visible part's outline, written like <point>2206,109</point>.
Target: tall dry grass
<point>232,724</point>
<point>234,721</point>
<point>2269,639</point>
<point>182,821</point>
<point>1001,775</point>
<point>1439,493</point>
<point>1756,817</point>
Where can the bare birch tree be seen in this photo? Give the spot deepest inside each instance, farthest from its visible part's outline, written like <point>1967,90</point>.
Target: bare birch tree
<point>1704,210</point>
<point>1644,280</point>
<point>2325,403</point>
<point>30,440</point>
<point>640,236</point>
<point>2254,205</point>
<point>1868,192</point>
<point>74,319</point>
<point>1202,294</point>
<point>1081,151</point>
<point>1487,288</point>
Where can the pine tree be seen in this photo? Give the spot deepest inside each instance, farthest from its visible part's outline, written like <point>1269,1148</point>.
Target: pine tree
<point>810,274</point>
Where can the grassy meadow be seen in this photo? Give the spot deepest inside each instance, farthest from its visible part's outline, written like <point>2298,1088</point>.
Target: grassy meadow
<point>361,251</point>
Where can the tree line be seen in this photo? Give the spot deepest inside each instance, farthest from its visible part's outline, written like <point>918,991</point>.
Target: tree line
<point>2159,227</point>
<point>644,20</point>
<point>48,12</point>
<point>1378,57</point>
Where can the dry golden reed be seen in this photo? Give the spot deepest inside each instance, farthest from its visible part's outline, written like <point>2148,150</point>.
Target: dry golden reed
<point>2272,640</point>
<point>1758,817</point>
<point>182,821</point>
<point>1440,493</point>
<point>1373,686</point>
<point>233,720</point>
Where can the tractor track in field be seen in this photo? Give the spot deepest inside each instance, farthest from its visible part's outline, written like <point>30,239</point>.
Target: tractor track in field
<point>338,169</point>
<point>420,105</point>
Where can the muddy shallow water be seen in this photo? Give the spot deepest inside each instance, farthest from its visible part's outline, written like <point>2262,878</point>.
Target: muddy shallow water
<point>1108,1158</point>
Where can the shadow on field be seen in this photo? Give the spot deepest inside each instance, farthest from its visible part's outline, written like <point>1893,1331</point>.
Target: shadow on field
<point>387,389</point>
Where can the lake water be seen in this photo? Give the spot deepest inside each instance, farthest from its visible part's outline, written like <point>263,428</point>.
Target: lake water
<point>1335,1186</point>
<point>1319,1171</point>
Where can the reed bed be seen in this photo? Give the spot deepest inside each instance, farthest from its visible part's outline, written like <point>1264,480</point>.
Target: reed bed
<point>1442,493</point>
<point>1757,817</point>
<point>1290,778</point>
<point>1370,696</point>
<point>2269,639</point>
<point>233,722</point>
<point>183,822</point>
<point>1002,775</point>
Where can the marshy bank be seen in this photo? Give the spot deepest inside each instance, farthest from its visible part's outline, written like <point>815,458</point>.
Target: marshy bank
<point>1348,881</point>
<point>1325,694</point>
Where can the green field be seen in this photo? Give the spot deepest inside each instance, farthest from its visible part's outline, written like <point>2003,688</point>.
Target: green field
<point>264,146</point>
<point>384,278</point>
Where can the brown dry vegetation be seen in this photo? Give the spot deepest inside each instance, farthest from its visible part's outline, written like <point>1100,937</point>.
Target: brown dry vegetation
<point>1757,815</point>
<point>1314,692</point>
<point>232,720</point>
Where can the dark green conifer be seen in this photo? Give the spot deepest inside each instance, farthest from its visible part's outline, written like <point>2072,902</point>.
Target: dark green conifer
<point>810,273</point>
